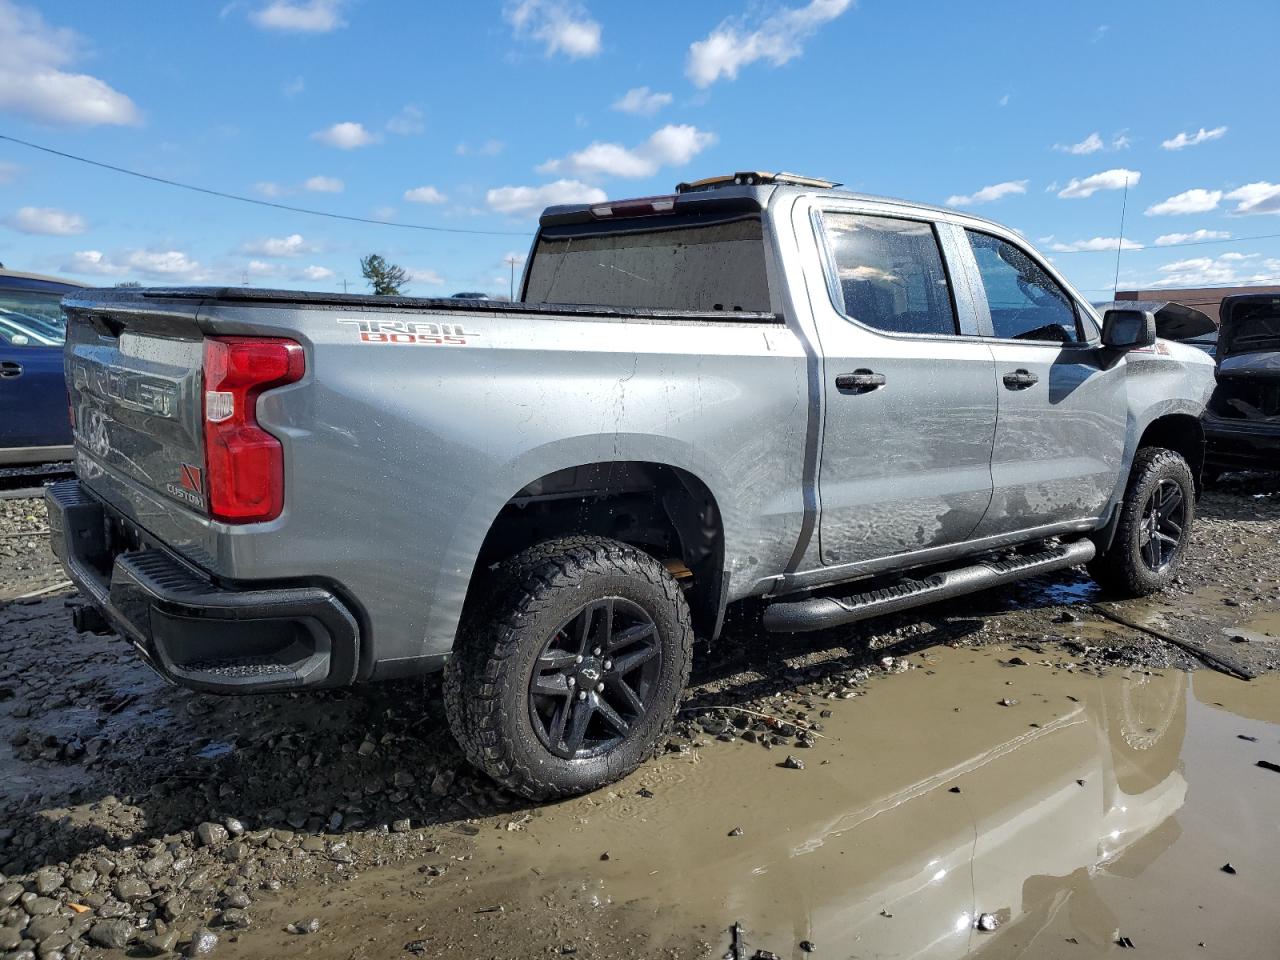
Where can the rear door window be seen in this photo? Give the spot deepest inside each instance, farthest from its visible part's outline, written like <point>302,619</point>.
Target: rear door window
<point>31,319</point>
<point>889,273</point>
<point>1025,302</point>
<point>661,263</point>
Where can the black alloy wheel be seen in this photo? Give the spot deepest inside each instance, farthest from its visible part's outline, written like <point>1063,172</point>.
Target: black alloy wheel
<point>1163,521</point>
<point>593,681</point>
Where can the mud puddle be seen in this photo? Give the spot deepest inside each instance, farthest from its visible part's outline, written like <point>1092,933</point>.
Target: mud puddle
<point>1070,811</point>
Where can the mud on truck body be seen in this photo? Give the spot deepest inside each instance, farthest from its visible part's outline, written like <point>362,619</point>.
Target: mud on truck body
<point>758,387</point>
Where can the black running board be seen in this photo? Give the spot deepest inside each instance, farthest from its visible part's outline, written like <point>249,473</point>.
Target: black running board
<point>819,613</point>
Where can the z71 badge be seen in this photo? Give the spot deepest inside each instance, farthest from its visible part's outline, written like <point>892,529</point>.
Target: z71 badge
<point>411,331</point>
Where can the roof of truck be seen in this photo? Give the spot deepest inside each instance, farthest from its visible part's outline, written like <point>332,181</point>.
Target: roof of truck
<point>740,191</point>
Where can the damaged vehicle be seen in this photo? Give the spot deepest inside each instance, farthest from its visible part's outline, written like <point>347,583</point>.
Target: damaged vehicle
<point>758,387</point>
<point>1242,423</point>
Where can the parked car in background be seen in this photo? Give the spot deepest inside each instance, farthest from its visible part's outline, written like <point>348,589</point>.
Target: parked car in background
<point>35,426</point>
<point>1242,423</point>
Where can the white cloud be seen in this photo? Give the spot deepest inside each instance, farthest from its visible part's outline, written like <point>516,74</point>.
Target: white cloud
<point>1228,268</point>
<point>345,136</point>
<point>1094,143</point>
<point>93,262</point>
<point>166,264</point>
<point>8,172</point>
<point>1096,243</point>
<point>48,221</point>
<point>778,38</point>
<point>424,195</point>
<point>408,121</point>
<point>1090,144</point>
<point>1003,101</point>
<point>1107,180</point>
<point>522,201</point>
<point>384,213</point>
<point>642,101</point>
<point>291,88</point>
<point>33,82</point>
<point>669,146</point>
<point>314,272</point>
<point>300,16</point>
<point>1196,236</point>
<point>269,189</point>
<point>258,268</point>
<point>429,277</point>
<point>321,184</point>
<point>490,148</point>
<point>561,26</point>
<point>1260,197</point>
<point>1184,140</point>
<point>987,194</point>
<point>1189,201</point>
<point>290,246</point>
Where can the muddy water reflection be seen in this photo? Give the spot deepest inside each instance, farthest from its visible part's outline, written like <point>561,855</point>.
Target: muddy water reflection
<point>928,804</point>
<point>1093,808</point>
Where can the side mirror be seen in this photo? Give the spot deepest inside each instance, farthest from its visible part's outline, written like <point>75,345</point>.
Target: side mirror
<point>1124,330</point>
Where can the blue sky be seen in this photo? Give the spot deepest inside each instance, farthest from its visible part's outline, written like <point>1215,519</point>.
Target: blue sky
<point>472,116</point>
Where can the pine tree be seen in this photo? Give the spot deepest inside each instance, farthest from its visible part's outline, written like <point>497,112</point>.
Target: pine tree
<point>386,279</point>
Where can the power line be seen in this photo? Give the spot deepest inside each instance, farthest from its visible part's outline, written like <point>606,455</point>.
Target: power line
<point>1245,282</point>
<point>261,203</point>
<point>1171,246</point>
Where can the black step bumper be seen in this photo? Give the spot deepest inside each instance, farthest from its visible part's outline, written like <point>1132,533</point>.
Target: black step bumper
<point>192,631</point>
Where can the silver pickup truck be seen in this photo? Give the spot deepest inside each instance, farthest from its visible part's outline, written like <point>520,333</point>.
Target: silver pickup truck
<point>756,387</point>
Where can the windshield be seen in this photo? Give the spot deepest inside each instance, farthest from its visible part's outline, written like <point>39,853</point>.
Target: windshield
<point>1251,325</point>
<point>31,319</point>
<point>677,263</point>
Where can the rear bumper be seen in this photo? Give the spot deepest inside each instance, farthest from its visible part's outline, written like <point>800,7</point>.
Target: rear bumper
<point>192,631</point>
<point>1242,443</point>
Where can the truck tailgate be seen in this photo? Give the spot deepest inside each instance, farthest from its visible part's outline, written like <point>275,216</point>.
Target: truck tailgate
<point>135,384</point>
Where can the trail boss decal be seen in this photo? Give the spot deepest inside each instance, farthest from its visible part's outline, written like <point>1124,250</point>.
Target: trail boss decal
<point>411,331</point>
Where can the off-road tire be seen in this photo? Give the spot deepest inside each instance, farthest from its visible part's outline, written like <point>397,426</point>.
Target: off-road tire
<point>524,601</point>
<point>1120,569</point>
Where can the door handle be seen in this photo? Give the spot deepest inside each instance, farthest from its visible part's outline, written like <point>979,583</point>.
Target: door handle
<point>860,381</point>
<point>1020,380</point>
<point>10,369</point>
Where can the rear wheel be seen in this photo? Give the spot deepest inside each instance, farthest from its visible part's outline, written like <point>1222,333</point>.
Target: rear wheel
<point>568,674</point>
<point>1155,526</point>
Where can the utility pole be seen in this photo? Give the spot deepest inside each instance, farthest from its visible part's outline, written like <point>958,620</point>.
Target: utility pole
<point>511,261</point>
<point>344,284</point>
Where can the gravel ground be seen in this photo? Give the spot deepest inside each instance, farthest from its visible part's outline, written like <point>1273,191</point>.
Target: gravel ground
<point>137,815</point>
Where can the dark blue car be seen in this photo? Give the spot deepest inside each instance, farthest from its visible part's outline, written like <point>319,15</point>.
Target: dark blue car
<point>35,424</point>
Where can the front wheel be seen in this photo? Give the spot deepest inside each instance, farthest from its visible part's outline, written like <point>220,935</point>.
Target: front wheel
<point>568,674</point>
<point>1155,526</point>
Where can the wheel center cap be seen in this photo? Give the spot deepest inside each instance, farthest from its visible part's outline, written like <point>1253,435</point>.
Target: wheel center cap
<point>589,673</point>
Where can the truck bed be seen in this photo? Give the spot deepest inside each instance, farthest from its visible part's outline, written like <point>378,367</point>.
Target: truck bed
<point>276,298</point>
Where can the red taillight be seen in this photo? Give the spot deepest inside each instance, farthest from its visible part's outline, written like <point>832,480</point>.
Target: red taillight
<point>244,465</point>
<point>640,207</point>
